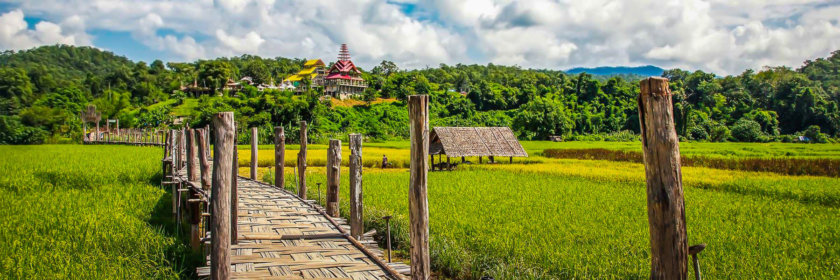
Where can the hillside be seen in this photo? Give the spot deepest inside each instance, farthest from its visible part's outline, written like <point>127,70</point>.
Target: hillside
<point>64,62</point>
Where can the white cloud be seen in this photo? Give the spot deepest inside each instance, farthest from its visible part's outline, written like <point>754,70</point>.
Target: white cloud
<point>714,35</point>
<point>15,33</point>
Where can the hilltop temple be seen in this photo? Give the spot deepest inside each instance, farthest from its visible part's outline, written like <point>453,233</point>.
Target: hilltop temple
<point>314,70</point>
<point>343,79</point>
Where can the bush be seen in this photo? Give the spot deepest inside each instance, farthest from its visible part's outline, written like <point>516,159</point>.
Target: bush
<point>816,136</point>
<point>720,133</point>
<point>746,130</point>
<point>698,133</point>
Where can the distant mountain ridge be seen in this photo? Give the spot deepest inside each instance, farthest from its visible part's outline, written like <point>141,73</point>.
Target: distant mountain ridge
<point>647,70</point>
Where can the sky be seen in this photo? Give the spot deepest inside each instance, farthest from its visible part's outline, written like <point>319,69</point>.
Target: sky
<point>721,36</point>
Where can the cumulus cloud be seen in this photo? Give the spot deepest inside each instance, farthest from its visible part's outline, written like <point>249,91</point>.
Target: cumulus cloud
<point>713,35</point>
<point>15,33</point>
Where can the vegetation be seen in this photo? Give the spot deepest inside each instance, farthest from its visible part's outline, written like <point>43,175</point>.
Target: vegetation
<point>87,212</point>
<point>42,91</point>
<point>570,218</point>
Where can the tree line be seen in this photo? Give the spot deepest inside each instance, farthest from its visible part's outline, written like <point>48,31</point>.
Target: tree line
<point>43,90</point>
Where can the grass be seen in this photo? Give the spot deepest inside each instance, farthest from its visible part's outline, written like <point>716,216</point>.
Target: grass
<point>186,108</point>
<point>571,218</point>
<point>718,150</point>
<point>87,212</point>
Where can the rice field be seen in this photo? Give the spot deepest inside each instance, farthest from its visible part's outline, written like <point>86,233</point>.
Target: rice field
<point>87,212</point>
<point>571,218</point>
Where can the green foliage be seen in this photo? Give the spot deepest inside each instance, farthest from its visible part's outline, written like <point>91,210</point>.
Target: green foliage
<point>87,212</point>
<point>747,130</point>
<point>535,103</point>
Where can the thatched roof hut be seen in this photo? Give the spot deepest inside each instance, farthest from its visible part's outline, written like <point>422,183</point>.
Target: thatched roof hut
<point>475,141</point>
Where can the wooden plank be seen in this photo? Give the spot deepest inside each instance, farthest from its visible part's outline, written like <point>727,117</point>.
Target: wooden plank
<point>418,114</point>
<point>666,207</point>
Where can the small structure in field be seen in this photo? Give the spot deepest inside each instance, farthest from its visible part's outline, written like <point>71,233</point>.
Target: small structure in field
<point>478,142</point>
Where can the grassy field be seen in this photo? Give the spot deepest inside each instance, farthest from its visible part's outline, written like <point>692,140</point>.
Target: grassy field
<point>569,218</point>
<point>86,212</point>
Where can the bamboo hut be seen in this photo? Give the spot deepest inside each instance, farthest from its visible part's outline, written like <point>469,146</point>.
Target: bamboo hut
<point>478,142</point>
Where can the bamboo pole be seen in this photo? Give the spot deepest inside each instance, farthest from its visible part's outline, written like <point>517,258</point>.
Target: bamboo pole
<point>356,202</point>
<point>666,207</point>
<point>302,162</point>
<point>333,176</point>
<point>221,193</point>
<point>418,115</point>
<point>279,157</point>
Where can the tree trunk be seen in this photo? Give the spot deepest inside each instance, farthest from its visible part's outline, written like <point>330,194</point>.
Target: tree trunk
<point>418,114</point>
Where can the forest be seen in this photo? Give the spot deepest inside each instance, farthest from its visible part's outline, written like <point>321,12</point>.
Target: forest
<point>43,91</point>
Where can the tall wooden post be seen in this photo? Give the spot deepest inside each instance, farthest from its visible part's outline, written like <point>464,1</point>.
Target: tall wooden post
<point>183,146</point>
<point>174,153</point>
<point>254,153</point>
<point>194,207</point>
<point>207,131</point>
<point>96,135</point>
<point>279,157</point>
<point>333,176</point>
<point>108,128</point>
<point>356,204</point>
<point>234,198</point>
<point>220,227</point>
<point>302,161</point>
<point>203,161</point>
<point>418,203</point>
<point>666,207</point>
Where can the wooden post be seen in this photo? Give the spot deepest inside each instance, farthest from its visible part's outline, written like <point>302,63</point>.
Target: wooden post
<point>173,153</point>
<point>204,163</point>
<point>302,162</point>
<point>234,198</point>
<point>108,128</point>
<point>254,153</point>
<point>418,203</point>
<point>333,176</point>
<point>96,135</point>
<point>207,132</point>
<point>193,173</point>
<point>666,208</point>
<point>357,225</point>
<point>279,157</point>
<point>222,163</point>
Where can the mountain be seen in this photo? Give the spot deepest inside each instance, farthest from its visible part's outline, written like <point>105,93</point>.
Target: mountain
<point>66,63</point>
<point>648,70</point>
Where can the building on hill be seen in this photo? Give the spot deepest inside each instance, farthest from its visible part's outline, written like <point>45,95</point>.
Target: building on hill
<point>344,79</point>
<point>313,70</point>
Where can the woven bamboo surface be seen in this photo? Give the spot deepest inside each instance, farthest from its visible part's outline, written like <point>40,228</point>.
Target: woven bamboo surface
<point>282,237</point>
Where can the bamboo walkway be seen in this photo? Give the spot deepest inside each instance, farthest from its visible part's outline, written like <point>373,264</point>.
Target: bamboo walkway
<point>281,236</point>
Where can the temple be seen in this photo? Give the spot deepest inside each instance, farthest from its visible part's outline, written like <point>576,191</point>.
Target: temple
<point>311,76</point>
<point>343,79</point>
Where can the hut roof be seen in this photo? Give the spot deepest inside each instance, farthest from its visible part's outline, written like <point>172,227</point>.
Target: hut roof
<point>475,141</point>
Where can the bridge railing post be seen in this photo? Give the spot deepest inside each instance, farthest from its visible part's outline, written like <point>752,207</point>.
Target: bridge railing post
<point>418,203</point>
<point>254,152</point>
<point>302,161</point>
<point>193,202</point>
<point>223,126</point>
<point>333,176</point>
<point>356,202</point>
<point>279,157</point>
<point>666,206</point>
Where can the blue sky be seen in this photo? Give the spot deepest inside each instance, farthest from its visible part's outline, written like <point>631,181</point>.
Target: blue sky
<point>725,37</point>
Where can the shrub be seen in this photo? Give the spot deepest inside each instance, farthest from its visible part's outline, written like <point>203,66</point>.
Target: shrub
<point>720,133</point>
<point>816,136</point>
<point>746,130</point>
<point>698,133</point>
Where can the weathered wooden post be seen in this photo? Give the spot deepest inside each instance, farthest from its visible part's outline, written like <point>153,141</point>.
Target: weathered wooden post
<point>204,162</point>
<point>173,155</point>
<point>108,128</point>
<point>194,206</point>
<point>254,153</point>
<point>666,207</point>
<point>234,186</point>
<point>302,162</point>
<point>96,135</point>
<point>207,131</point>
<point>356,204</point>
<point>279,157</point>
<point>333,176</point>
<point>418,203</point>
<point>222,164</point>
